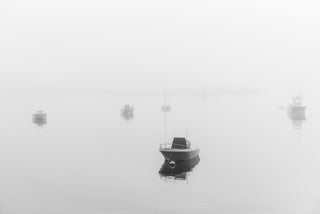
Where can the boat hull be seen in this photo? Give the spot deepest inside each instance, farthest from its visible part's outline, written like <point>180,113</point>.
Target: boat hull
<point>179,154</point>
<point>180,170</point>
<point>297,112</point>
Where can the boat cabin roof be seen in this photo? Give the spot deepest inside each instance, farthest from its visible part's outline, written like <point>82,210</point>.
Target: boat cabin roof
<point>180,143</point>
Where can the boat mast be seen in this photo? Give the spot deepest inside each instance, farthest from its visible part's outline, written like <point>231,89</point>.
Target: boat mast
<point>165,127</point>
<point>165,104</point>
<point>165,88</point>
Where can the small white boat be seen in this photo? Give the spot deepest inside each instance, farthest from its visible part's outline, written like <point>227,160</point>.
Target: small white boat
<point>178,150</point>
<point>39,115</point>
<point>165,108</point>
<point>127,112</point>
<point>39,118</point>
<point>296,111</point>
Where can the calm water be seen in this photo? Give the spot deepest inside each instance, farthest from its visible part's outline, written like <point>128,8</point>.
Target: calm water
<point>88,159</point>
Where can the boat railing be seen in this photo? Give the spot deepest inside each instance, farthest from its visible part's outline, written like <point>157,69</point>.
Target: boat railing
<point>177,146</point>
<point>297,101</point>
<point>165,146</point>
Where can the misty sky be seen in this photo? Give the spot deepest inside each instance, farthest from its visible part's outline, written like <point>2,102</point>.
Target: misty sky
<point>123,44</point>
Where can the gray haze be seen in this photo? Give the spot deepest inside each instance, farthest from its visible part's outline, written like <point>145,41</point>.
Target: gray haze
<point>98,45</point>
<point>87,156</point>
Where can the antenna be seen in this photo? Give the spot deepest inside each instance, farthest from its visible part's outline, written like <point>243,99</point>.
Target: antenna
<point>165,127</point>
<point>186,132</point>
<point>165,88</point>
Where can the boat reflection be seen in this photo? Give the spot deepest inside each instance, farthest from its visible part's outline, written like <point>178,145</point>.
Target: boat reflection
<point>296,112</point>
<point>127,112</point>
<point>178,170</point>
<point>39,118</point>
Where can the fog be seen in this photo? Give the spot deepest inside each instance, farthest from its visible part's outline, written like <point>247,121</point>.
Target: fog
<point>72,45</point>
<point>76,139</point>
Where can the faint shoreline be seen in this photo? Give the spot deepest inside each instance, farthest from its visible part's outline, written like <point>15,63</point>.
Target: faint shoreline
<point>178,92</point>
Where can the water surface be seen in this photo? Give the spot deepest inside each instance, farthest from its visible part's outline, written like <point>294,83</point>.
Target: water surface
<point>87,158</point>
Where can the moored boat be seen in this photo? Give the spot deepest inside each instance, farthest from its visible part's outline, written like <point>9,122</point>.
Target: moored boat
<point>296,111</point>
<point>179,150</point>
<point>165,108</point>
<point>39,118</point>
<point>127,112</point>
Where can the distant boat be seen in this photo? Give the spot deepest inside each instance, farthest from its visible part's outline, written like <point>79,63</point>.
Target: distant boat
<point>39,118</point>
<point>296,111</point>
<point>165,108</point>
<point>179,150</point>
<point>127,112</point>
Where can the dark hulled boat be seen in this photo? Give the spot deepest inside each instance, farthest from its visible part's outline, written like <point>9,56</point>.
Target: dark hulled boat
<point>179,150</point>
